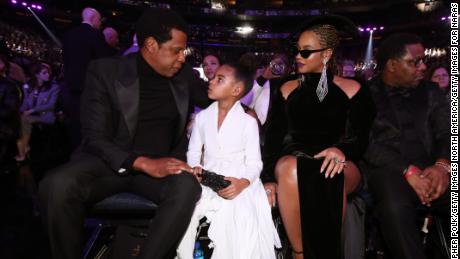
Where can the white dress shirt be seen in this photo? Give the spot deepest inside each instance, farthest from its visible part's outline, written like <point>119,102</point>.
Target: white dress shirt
<point>258,99</point>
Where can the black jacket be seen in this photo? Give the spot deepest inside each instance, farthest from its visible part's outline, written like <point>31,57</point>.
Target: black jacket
<point>430,113</point>
<point>110,103</point>
<point>9,109</point>
<point>81,45</point>
<point>9,122</point>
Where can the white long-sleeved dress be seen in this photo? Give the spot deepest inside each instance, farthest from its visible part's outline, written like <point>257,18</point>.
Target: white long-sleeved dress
<point>239,228</point>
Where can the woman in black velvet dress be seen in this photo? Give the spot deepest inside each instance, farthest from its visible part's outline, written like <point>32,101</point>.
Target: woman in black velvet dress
<point>319,126</point>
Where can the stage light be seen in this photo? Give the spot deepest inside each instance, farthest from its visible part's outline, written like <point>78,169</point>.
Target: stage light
<point>14,1</point>
<point>244,30</point>
<point>33,6</point>
<point>445,18</point>
<point>217,6</point>
<point>39,7</point>
<point>370,29</point>
<point>24,4</point>
<point>188,51</point>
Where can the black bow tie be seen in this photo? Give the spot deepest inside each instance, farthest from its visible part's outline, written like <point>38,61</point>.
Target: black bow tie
<point>261,81</point>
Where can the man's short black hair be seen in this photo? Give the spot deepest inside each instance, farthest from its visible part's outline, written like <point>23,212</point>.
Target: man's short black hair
<point>157,23</point>
<point>252,62</point>
<point>395,47</point>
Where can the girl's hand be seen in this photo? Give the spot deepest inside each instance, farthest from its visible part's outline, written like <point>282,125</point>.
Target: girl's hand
<point>235,188</point>
<point>334,161</point>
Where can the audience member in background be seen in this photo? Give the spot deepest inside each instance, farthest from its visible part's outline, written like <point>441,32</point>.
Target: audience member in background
<point>348,69</point>
<point>319,124</point>
<point>15,72</point>
<point>366,74</point>
<point>134,112</point>
<point>439,75</point>
<point>134,48</point>
<point>111,37</point>
<point>407,160</point>
<point>210,65</point>
<point>80,45</point>
<point>38,106</point>
<point>9,118</point>
<point>254,62</point>
<point>264,87</point>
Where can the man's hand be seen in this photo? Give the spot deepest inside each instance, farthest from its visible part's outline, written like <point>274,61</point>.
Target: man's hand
<point>235,188</point>
<point>421,186</point>
<point>196,171</point>
<point>270,189</point>
<point>161,167</point>
<point>439,179</point>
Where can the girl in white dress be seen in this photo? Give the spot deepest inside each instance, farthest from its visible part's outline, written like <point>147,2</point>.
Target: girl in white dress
<point>241,224</point>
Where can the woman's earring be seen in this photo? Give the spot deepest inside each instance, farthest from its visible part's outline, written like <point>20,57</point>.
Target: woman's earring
<point>321,89</point>
<point>301,79</point>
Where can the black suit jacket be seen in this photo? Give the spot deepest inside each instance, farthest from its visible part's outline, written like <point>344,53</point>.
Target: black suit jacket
<point>81,45</point>
<point>430,113</point>
<point>110,106</point>
<point>9,123</point>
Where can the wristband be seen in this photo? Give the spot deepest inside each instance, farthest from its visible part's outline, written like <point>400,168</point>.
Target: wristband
<point>445,166</point>
<point>410,171</point>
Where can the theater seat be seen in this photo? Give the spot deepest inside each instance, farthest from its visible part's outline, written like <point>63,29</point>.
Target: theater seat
<point>123,209</point>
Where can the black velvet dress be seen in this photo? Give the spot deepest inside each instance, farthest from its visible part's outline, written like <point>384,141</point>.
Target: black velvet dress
<point>303,126</point>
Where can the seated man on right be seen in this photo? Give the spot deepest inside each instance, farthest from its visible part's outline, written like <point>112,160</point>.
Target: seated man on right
<point>407,160</point>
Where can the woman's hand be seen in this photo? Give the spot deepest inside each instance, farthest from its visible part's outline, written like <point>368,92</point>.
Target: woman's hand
<point>235,188</point>
<point>270,189</point>
<point>334,161</point>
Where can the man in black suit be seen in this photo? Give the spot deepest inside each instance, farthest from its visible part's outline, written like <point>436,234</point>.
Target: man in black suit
<point>407,160</point>
<point>112,39</point>
<point>80,45</point>
<point>10,102</point>
<point>134,111</point>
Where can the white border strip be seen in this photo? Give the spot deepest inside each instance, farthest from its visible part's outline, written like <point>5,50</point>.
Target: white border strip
<point>454,37</point>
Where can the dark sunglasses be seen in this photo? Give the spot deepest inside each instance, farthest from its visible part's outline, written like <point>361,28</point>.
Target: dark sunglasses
<point>305,53</point>
<point>417,62</point>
